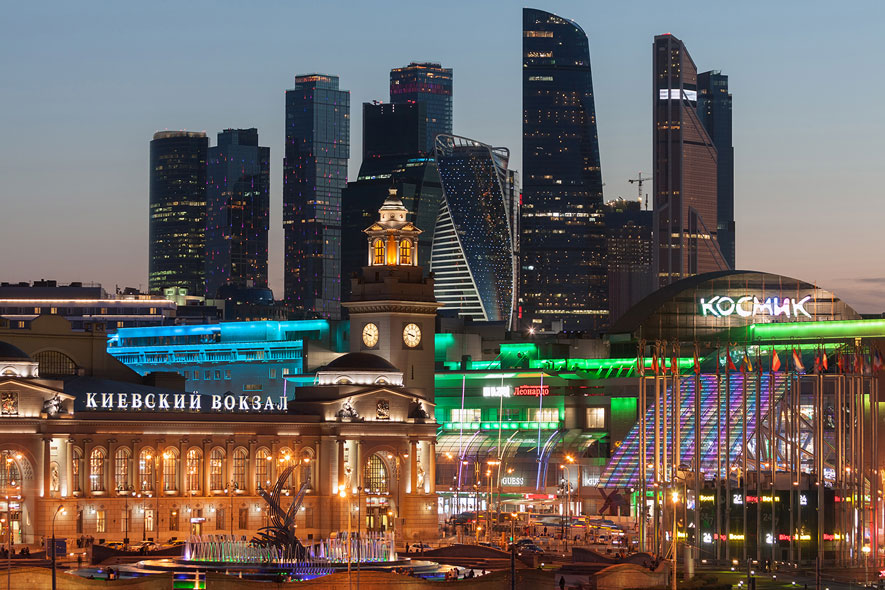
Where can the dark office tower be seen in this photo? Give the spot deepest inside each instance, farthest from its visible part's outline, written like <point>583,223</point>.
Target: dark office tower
<point>629,245</point>
<point>430,84</point>
<point>563,247</point>
<point>685,176</point>
<point>390,128</point>
<point>314,174</point>
<point>177,227</point>
<point>472,259</point>
<point>714,109</point>
<point>237,211</point>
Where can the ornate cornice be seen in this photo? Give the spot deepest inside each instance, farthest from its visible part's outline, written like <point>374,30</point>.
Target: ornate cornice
<point>392,306</point>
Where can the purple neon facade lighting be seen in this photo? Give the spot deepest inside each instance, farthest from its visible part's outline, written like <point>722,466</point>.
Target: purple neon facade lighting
<point>623,468</point>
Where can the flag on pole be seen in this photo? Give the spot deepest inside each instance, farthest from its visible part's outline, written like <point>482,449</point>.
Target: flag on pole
<point>674,365</point>
<point>840,364</point>
<point>824,360</point>
<point>654,360</point>
<point>877,360</point>
<point>729,363</point>
<point>747,365</point>
<point>775,361</point>
<point>797,362</point>
<point>697,363</point>
<point>816,362</point>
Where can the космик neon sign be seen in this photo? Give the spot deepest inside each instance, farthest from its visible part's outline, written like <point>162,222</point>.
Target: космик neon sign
<point>747,306</point>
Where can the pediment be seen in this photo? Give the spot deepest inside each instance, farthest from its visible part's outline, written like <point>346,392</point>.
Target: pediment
<point>28,398</point>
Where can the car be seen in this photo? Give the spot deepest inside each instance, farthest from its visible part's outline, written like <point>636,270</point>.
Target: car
<point>530,549</point>
<point>118,545</point>
<point>420,547</point>
<point>145,546</point>
<point>175,542</point>
<point>523,542</point>
<point>485,544</point>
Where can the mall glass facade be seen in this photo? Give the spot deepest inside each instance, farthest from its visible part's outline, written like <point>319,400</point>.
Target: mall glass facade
<point>314,174</point>
<point>177,223</point>
<point>563,251</point>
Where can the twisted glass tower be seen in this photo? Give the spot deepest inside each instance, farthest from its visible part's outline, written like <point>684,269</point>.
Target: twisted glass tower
<point>563,274</point>
<point>473,260</point>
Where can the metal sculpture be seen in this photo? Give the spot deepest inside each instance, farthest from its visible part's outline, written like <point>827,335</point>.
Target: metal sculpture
<point>280,534</point>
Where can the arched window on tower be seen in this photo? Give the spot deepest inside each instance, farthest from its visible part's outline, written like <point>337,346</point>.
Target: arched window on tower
<point>376,475</point>
<point>405,252</point>
<point>378,252</point>
<point>216,469</point>
<point>241,456</point>
<point>122,465</point>
<point>194,471</point>
<point>146,469</point>
<point>170,469</point>
<point>76,470</point>
<point>97,461</point>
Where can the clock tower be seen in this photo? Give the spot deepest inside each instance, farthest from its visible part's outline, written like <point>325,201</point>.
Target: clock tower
<point>392,306</point>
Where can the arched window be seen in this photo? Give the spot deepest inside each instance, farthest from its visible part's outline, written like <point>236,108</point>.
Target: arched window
<point>77,470</point>
<point>378,252</point>
<point>146,469</point>
<point>10,475</point>
<point>307,467</point>
<point>239,477</point>
<point>405,252</point>
<point>216,469</point>
<point>96,470</point>
<point>287,458</point>
<point>52,363</point>
<point>122,464</point>
<point>376,476</point>
<point>170,469</point>
<point>263,465</point>
<point>194,470</point>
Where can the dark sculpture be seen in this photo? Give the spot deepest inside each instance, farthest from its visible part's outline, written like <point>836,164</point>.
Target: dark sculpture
<point>418,411</point>
<point>53,407</point>
<point>281,531</point>
<point>348,413</point>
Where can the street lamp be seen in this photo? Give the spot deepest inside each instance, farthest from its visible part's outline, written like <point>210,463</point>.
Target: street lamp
<point>491,463</point>
<point>568,494</point>
<point>342,492</point>
<point>675,497</point>
<point>125,491</point>
<point>59,510</point>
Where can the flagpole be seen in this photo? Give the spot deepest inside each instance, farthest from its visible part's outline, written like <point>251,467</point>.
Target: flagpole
<point>772,449</point>
<point>657,458</point>
<point>727,452</point>
<point>695,551</point>
<point>643,449</point>
<point>744,450</point>
<point>758,452</point>
<point>718,456</point>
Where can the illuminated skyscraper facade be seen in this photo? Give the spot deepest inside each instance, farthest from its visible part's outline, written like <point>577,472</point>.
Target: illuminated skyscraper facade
<point>429,84</point>
<point>686,170</point>
<point>473,261</point>
<point>177,225</point>
<point>237,211</point>
<point>563,272</point>
<point>714,110</point>
<point>314,174</point>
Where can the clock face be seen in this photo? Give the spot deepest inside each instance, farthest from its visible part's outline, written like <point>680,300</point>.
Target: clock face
<point>412,335</point>
<point>370,335</point>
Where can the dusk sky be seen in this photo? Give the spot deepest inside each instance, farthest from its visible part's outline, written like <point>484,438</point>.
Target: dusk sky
<point>86,84</point>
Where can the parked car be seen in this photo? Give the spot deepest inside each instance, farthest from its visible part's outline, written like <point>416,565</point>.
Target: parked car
<point>420,547</point>
<point>118,545</point>
<point>530,549</point>
<point>526,541</point>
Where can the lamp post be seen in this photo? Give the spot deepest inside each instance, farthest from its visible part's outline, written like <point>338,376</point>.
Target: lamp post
<point>568,495</point>
<point>58,511</point>
<point>342,492</point>
<point>491,463</point>
<point>125,490</point>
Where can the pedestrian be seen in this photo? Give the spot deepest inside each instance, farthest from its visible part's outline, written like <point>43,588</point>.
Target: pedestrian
<point>561,582</point>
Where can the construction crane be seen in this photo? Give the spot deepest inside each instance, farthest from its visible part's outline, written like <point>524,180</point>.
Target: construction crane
<point>639,181</point>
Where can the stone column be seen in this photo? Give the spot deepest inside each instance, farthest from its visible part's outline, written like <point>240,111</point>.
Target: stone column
<point>229,448</point>
<point>430,475</point>
<point>134,474</point>
<point>47,464</point>
<point>110,465</point>
<point>85,468</point>
<point>182,467</point>
<point>413,466</point>
<point>250,468</point>
<point>341,475</point>
<point>69,466</point>
<point>207,451</point>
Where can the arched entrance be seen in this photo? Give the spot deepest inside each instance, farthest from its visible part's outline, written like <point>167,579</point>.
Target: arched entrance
<point>376,483</point>
<point>16,481</point>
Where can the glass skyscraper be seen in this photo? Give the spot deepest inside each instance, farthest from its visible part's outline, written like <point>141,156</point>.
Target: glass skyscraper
<point>314,174</point>
<point>237,211</point>
<point>685,170</point>
<point>563,272</point>
<point>473,261</point>
<point>429,84</point>
<point>714,109</point>
<point>177,224</point>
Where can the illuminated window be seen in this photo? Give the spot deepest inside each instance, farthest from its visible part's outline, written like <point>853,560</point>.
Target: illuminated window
<point>194,470</point>
<point>122,464</point>
<point>146,469</point>
<point>286,459</point>
<point>378,252</point>
<point>173,520</point>
<point>96,470</point>
<point>170,469</point>
<point>10,476</point>
<point>307,459</point>
<point>149,519</point>
<point>466,415</point>
<point>595,417</point>
<point>263,462</point>
<point>239,476</point>
<point>101,522</point>
<point>216,469</point>
<point>544,415</point>
<point>376,475</point>
<point>54,364</point>
<point>405,252</point>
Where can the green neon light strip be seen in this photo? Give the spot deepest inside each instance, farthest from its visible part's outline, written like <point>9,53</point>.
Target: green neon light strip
<point>503,425</point>
<point>816,330</point>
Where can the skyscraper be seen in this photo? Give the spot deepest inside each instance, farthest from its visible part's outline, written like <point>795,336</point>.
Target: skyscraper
<point>629,245</point>
<point>685,176</point>
<point>314,174</point>
<point>429,84</point>
<point>393,157</point>
<point>563,271</point>
<point>237,211</point>
<point>714,109</point>
<point>177,225</point>
<point>473,260</point>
